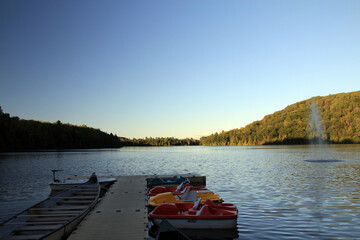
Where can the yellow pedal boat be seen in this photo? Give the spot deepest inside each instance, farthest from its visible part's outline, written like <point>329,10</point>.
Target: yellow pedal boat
<point>186,196</point>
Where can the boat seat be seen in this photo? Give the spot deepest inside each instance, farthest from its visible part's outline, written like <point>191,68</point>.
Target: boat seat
<point>23,237</point>
<point>57,208</point>
<point>204,211</point>
<point>80,197</point>
<point>197,204</point>
<point>34,223</point>
<point>191,197</point>
<point>49,219</point>
<point>184,193</point>
<point>180,186</point>
<point>167,209</point>
<point>216,211</point>
<point>51,215</point>
<point>38,228</point>
<point>74,202</point>
<point>69,208</point>
<point>58,212</point>
<point>85,194</point>
<point>185,190</point>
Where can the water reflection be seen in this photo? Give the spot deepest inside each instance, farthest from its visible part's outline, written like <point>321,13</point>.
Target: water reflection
<point>202,234</point>
<point>278,194</point>
<point>323,160</point>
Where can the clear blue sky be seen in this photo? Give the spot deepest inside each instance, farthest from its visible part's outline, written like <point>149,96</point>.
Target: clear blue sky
<point>173,68</point>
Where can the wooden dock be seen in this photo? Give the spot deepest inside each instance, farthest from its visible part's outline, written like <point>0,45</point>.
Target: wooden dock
<point>122,213</point>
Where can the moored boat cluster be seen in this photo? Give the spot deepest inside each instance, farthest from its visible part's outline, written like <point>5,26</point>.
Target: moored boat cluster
<point>175,205</point>
<point>189,207</point>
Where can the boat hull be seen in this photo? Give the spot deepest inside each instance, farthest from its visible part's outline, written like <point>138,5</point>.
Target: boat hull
<point>55,217</point>
<point>63,185</point>
<point>199,223</point>
<point>67,230</point>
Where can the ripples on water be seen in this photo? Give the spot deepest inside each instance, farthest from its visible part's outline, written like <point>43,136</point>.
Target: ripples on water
<point>278,194</point>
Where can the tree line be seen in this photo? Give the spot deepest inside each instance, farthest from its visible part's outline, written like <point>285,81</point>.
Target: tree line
<point>23,135</point>
<point>20,135</point>
<point>339,115</point>
<point>159,141</point>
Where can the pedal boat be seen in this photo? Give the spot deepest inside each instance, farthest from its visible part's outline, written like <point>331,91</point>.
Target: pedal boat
<point>187,195</point>
<point>172,181</point>
<point>174,190</point>
<point>196,215</point>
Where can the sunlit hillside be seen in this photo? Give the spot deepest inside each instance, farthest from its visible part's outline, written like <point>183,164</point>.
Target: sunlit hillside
<point>339,115</point>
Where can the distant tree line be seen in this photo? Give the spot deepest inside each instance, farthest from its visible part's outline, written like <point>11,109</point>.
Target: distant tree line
<point>159,141</point>
<point>22,135</point>
<point>340,114</point>
<point>19,135</point>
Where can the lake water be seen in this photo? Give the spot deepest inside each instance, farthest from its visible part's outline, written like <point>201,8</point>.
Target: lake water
<point>280,194</point>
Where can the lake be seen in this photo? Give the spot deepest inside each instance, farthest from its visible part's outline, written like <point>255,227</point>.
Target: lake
<point>282,192</point>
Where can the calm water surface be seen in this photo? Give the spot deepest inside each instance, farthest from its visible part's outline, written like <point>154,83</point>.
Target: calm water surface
<point>279,195</point>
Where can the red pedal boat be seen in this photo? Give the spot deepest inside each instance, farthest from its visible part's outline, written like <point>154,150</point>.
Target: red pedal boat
<point>174,190</point>
<point>197,216</point>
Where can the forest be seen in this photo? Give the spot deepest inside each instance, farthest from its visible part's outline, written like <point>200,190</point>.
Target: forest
<point>339,115</point>
<point>23,135</point>
<point>168,141</point>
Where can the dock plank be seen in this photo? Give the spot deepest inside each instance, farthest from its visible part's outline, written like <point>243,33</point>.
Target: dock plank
<point>121,214</point>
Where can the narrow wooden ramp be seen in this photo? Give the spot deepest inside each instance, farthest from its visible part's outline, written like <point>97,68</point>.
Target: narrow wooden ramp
<point>121,214</point>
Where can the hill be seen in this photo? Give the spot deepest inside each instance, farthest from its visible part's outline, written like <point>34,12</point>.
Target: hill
<point>20,135</point>
<point>340,114</point>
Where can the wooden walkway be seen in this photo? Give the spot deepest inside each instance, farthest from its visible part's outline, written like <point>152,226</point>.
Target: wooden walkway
<point>121,214</point>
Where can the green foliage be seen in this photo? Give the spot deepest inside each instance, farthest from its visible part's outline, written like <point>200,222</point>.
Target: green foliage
<point>19,135</point>
<point>169,141</point>
<point>340,115</point>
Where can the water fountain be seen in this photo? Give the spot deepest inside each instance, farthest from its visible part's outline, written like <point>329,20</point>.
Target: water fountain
<point>318,129</point>
<point>318,137</point>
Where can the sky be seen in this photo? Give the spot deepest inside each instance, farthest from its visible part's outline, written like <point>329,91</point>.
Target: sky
<point>168,68</point>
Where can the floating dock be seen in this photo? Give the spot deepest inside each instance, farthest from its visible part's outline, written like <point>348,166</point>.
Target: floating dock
<point>122,213</point>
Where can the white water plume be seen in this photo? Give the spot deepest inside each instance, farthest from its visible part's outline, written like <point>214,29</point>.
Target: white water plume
<point>318,138</point>
<point>317,132</point>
